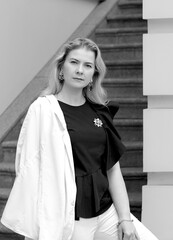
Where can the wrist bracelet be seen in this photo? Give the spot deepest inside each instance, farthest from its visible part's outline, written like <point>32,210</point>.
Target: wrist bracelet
<point>124,220</point>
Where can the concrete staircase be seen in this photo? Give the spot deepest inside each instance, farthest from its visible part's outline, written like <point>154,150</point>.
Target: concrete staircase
<point>119,37</point>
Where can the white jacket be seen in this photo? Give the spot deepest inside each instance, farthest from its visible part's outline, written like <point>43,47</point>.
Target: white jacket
<point>41,203</point>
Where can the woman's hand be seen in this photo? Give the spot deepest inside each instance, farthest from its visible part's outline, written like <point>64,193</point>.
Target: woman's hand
<point>127,231</point>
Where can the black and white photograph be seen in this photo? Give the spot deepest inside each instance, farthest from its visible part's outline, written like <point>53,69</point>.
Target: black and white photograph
<point>86,119</point>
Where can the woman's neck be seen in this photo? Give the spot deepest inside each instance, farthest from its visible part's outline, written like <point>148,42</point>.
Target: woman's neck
<point>74,99</point>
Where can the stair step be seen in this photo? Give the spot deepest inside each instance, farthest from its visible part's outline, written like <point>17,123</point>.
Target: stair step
<point>126,7</point>
<point>128,122</point>
<point>118,17</point>
<point>130,3</point>
<point>124,68</point>
<point>126,51</point>
<point>135,199</point>
<point>126,87</point>
<point>7,174</point>
<point>136,204</point>
<point>132,6</point>
<point>120,35</point>
<point>134,179</point>
<point>130,129</point>
<point>133,172</point>
<point>9,150</point>
<point>126,20</point>
<point>123,81</point>
<point>4,194</point>
<point>117,30</point>
<point>131,100</point>
<point>130,107</point>
<point>133,156</point>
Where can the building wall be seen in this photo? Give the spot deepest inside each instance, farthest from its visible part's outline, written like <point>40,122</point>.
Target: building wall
<point>31,32</point>
<point>158,117</point>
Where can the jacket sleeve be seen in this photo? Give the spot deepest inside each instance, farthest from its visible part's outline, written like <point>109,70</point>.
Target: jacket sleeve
<point>22,208</point>
<point>28,143</point>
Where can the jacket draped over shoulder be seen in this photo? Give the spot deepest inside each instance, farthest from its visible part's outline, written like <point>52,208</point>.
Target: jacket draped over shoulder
<point>41,202</point>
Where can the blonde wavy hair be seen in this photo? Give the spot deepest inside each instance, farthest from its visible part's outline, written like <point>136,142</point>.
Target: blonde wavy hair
<point>98,94</point>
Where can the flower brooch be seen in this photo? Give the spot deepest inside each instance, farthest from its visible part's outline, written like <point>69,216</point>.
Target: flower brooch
<point>98,122</point>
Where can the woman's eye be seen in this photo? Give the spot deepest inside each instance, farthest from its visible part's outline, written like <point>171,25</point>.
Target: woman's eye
<point>73,62</point>
<point>89,66</point>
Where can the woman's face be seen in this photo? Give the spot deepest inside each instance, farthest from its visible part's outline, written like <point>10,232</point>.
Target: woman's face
<point>78,68</point>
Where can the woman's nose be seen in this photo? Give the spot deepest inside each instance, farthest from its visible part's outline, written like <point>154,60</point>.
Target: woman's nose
<point>79,69</point>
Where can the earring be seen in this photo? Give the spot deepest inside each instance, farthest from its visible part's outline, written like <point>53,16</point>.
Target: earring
<point>90,85</point>
<point>61,77</point>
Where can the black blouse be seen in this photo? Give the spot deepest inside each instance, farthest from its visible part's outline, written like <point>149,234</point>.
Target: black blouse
<point>89,134</point>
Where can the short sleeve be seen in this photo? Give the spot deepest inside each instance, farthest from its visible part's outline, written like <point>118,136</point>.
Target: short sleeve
<point>115,147</point>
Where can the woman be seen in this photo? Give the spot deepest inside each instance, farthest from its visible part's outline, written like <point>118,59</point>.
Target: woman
<point>68,181</point>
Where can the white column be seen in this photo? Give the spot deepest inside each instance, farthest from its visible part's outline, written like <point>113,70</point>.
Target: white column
<point>157,213</point>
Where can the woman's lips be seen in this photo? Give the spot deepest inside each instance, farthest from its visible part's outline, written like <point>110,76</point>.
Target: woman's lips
<point>77,78</point>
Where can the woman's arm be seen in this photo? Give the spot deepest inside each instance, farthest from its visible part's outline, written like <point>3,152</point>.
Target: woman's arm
<point>120,199</point>
<point>118,192</point>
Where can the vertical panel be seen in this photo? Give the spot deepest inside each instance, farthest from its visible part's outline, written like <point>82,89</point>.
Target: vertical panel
<point>158,140</point>
<point>157,9</point>
<point>157,64</point>
<point>158,210</point>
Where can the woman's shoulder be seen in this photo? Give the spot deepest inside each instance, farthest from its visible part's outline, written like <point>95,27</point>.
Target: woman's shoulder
<point>113,108</point>
<point>42,103</point>
<point>39,101</point>
<point>110,107</point>
<point>42,100</point>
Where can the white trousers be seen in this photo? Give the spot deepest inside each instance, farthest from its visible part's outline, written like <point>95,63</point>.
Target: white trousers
<point>104,227</point>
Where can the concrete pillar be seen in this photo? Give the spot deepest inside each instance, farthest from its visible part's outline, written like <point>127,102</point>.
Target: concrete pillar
<point>157,213</point>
